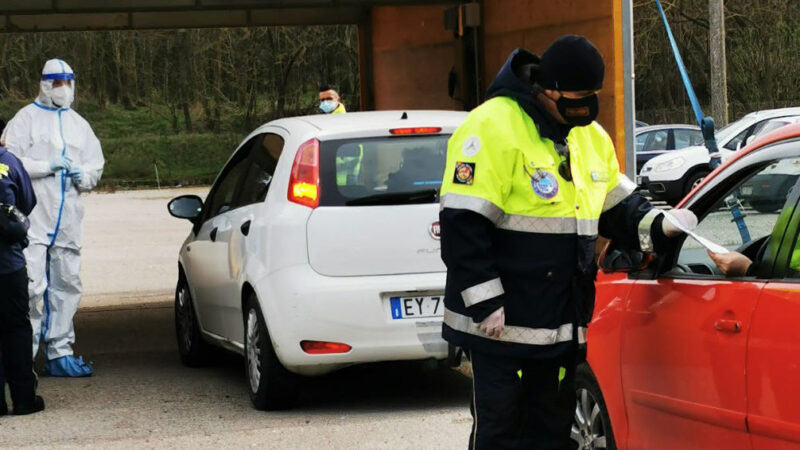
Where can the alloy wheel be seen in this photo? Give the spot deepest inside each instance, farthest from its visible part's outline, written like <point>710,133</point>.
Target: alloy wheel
<point>253,350</point>
<point>588,429</point>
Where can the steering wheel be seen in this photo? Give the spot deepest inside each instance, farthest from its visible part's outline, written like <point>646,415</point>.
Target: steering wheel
<point>755,249</point>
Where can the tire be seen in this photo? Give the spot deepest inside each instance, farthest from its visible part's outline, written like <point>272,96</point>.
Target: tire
<point>693,180</point>
<point>272,387</point>
<point>591,426</point>
<point>766,206</point>
<point>193,349</point>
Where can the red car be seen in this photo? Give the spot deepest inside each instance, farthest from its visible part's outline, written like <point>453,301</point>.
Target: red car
<point>681,356</point>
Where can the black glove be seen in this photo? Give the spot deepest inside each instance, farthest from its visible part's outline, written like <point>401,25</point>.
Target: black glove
<point>13,225</point>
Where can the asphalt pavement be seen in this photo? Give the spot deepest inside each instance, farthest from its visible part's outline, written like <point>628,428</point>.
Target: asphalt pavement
<point>142,397</point>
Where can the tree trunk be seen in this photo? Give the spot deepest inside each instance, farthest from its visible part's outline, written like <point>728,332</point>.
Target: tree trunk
<point>719,72</point>
<point>187,116</point>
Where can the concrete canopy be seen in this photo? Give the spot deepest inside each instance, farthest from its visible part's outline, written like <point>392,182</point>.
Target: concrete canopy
<point>409,57</point>
<point>73,15</point>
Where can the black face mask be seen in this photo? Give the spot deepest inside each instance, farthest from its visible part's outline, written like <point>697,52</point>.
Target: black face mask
<point>578,112</point>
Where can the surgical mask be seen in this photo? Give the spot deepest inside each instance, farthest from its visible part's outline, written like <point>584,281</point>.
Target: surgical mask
<point>578,112</point>
<point>328,106</point>
<point>62,96</point>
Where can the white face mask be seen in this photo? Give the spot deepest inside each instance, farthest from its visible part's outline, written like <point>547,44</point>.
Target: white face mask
<point>62,96</point>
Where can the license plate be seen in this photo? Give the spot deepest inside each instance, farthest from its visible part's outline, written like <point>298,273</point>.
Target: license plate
<point>747,190</point>
<point>417,307</point>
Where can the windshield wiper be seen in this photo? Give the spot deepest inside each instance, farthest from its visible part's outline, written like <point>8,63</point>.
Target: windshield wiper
<point>396,198</point>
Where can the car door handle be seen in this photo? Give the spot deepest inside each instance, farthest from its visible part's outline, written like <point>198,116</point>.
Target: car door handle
<point>213,235</point>
<point>728,326</point>
<point>245,228</point>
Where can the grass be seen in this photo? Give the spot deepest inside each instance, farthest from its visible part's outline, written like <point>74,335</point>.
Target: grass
<point>181,159</point>
<point>137,141</point>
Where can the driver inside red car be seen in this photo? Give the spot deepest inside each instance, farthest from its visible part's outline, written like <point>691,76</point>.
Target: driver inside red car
<point>733,264</point>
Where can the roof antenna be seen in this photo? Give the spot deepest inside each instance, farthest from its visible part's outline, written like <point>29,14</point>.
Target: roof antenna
<point>404,116</point>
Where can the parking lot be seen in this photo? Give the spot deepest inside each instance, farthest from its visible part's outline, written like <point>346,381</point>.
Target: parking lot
<point>141,395</point>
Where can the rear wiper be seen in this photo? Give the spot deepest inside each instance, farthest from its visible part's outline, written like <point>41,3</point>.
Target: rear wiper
<point>396,198</point>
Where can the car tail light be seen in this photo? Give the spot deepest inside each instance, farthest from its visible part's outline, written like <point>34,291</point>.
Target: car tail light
<point>324,348</point>
<point>415,130</point>
<point>304,179</point>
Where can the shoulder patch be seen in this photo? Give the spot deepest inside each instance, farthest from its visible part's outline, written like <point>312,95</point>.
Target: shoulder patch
<point>471,146</point>
<point>465,173</point>
<point>3,171</point>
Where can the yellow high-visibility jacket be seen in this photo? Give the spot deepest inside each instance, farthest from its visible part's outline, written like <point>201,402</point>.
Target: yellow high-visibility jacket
<point>516,233</point>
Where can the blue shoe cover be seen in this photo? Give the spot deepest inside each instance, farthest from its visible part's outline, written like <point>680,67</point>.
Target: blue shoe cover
<point>68,366</point>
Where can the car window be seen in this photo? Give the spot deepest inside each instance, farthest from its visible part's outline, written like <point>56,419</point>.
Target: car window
<point>223,194</point>
<point>262,161</point>
<point>357,168</point>
<point>640,141</point>
<point>738,140</point>
<point>744,218</point>
<point>657,141</point>
<point>687,138</point>
<point>770,126</point>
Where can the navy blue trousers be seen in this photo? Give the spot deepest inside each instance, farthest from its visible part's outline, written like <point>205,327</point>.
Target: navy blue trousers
<point>532,412</point>
<point>16,340</point>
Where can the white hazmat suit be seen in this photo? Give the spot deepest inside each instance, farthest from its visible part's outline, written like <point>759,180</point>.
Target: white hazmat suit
<point>63,157</point>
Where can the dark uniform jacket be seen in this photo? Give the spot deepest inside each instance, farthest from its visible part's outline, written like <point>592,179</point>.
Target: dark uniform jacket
<point>15,190</point>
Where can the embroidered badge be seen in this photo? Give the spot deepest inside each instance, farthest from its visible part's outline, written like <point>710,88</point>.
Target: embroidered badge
<point>599,176</point>
<point>465,173</point>
<point>471,146</point>
<point>3,171</point>
<point>544,184</point>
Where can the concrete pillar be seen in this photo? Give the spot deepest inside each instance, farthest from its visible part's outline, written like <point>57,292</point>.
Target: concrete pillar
<point>412,55</point>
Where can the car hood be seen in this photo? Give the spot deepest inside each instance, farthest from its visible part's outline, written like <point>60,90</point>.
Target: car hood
<point>693,155</point>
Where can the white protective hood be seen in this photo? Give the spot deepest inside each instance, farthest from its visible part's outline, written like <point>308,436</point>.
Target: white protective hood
<point>56,69</point>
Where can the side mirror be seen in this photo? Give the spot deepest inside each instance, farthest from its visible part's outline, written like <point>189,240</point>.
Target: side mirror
<point>186,207</point>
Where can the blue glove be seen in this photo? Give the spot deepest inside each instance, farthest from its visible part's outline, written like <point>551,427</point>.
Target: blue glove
<point>60,163</point>
<point>76,174</point>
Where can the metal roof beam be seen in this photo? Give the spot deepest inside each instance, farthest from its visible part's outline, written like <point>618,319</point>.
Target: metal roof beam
<point>181,19</point>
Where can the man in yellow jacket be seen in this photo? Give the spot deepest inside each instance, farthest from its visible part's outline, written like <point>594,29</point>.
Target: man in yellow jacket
<point>531,180</point>
<point>330,102</point>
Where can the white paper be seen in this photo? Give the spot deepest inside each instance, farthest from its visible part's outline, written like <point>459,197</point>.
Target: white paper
<point>713,247</point>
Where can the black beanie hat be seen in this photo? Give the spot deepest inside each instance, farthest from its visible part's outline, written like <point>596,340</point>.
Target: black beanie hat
<point>571,63</point>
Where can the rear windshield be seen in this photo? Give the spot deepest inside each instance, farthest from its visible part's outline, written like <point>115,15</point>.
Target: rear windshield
<point>376,171</point>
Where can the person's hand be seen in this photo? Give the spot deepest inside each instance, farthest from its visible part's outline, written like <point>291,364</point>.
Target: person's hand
<point>60,163</point>
<point>732,264</point>
<point>494,324</point>
<point>684,217</point>
<point>76,173</point>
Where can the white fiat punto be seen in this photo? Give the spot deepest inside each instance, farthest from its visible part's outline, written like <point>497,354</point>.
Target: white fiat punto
<point>317,248</point>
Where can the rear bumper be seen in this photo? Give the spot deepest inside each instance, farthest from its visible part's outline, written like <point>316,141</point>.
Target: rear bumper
<point>771,189</point>
<point>299,304</point>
